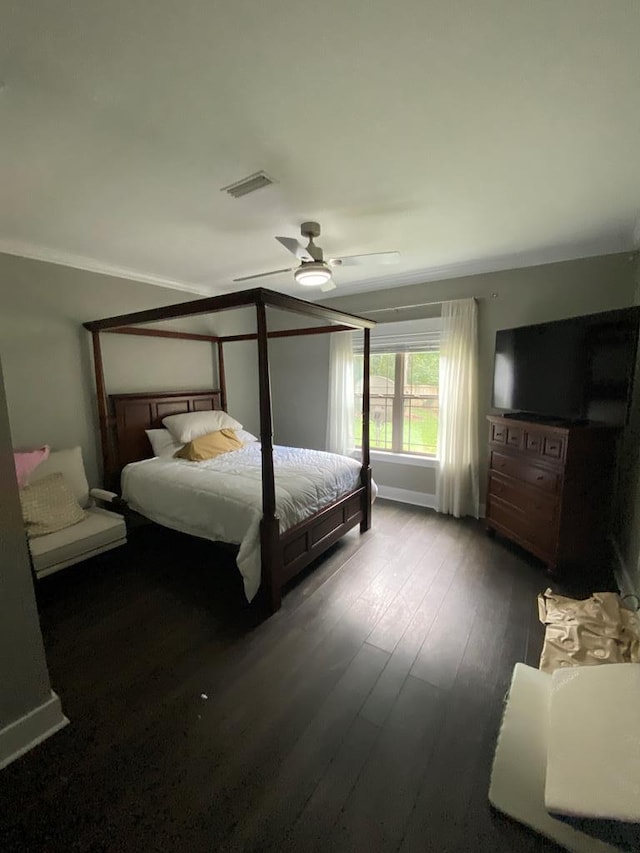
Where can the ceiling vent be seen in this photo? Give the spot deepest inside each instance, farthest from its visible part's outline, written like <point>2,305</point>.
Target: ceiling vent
<point>248,185</point>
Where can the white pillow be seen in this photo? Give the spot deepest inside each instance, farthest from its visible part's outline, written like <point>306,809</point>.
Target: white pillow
<point>190,425</point>
<point>246,437</point>
<point>162,442</point>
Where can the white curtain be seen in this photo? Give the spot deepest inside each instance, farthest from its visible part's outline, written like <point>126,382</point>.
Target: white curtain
<point>340,411</point>
<point>457,488</point>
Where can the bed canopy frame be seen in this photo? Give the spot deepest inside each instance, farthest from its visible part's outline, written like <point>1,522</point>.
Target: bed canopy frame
<point>124,417</point>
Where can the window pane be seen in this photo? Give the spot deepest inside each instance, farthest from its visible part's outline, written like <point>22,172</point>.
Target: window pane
<point>420,403</point>
<point>380,422</point>
<point>382,373</point>
<point>420,425</point>
<point>382,388</point>
<point>421,373</point>
<point>418,398</point>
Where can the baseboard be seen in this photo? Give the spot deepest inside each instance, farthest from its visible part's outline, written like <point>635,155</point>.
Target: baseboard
<point>622,575</point>
<point>406,496</point>
<point>23,734</point>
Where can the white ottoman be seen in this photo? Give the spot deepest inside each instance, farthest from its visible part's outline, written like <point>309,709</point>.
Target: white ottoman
<point>520,763</point>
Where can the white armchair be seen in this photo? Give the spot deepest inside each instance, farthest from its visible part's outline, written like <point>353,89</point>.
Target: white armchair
<point>100,531</point>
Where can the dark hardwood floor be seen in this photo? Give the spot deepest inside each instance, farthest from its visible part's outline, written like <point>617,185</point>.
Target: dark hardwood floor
<point>361,717</point>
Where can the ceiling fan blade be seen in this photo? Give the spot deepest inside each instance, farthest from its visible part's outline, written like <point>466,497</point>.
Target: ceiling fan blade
<point>297,249</point>
<point>370,258</point>
<point>329,285</point>
<point>262,274</point>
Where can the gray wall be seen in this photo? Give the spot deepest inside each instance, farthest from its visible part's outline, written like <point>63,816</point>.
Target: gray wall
<point>522,296</point>
<point>241,367</point>
<point>628,501</point>
<point>47,354</point>
<point>300,390</point>
<point>24,680</point>
<point>156,364</point>
<point>411,478</point>
<point>299,382</point>
<point>293,396</point>
<point>48,384</point>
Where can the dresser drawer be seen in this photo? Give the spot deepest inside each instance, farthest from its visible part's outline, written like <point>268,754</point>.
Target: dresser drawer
<point>528,501</point>
<point>511,436</point>
<point>522,469</point>
<point>529,530</point>
<point>498,434</point>
<point>548,446</point>
<point>515,435</point>
<point>533,442</point>
<point>553,447</point>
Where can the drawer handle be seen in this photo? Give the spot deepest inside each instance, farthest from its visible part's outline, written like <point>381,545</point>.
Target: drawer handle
<point>540,477</point>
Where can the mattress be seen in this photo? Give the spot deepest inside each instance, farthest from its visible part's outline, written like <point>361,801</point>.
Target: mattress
<point>221,499</point>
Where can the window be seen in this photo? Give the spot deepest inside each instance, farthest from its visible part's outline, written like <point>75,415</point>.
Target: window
<point>403,390</point>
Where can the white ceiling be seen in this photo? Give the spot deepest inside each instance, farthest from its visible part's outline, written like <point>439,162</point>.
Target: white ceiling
<point>469,136</point>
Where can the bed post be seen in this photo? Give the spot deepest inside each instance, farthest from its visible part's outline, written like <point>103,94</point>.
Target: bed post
<point>270,524</point>
<point>103,409</point>
<point>365,474</point>
<point>222,382</point>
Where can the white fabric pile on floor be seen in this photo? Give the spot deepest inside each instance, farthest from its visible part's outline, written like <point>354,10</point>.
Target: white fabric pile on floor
<point>567,760</point>
<point>597,630</point>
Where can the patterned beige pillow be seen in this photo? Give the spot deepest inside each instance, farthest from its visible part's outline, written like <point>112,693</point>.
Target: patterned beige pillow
<point>49,505</point>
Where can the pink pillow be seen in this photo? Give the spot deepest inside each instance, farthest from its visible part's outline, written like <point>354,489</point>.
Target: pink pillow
<point>28,460</point>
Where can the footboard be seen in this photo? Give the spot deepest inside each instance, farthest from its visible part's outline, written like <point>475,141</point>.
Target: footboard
<point>300,545</point>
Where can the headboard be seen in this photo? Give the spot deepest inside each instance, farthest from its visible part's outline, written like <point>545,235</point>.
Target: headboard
<point>134,413</point>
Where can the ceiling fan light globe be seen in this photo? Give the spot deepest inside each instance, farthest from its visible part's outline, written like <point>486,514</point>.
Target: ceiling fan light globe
<point>313,274</point>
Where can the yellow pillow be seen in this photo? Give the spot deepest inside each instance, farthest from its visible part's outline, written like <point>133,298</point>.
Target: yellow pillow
<point>209,446</point>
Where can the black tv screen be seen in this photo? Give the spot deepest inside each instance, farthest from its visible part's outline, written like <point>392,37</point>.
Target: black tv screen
<point>579,369</point>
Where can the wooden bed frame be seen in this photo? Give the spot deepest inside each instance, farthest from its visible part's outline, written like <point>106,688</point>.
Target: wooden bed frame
<point>125,417</point>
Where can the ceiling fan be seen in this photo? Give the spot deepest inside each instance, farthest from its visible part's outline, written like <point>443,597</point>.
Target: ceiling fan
<point>314,270</point>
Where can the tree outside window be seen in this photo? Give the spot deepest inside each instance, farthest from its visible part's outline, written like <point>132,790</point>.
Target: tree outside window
<point>403,402</point>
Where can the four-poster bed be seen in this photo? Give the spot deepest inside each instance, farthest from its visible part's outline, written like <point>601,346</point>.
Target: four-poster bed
<point>125,417</point>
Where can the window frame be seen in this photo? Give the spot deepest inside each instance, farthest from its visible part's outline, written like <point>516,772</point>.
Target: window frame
<point>419,460</point>
<point>397,453</point>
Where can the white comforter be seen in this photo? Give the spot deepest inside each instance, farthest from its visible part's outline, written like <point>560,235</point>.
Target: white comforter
<point>221,499</point>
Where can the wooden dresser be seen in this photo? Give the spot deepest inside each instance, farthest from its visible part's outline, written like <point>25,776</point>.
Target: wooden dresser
<point>550,490</point>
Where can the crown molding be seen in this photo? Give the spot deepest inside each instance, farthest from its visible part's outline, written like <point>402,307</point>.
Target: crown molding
<point>80,262</point>
<point>499,263</point>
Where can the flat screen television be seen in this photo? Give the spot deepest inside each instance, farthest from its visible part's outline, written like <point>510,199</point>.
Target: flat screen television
<point>576,370</point>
